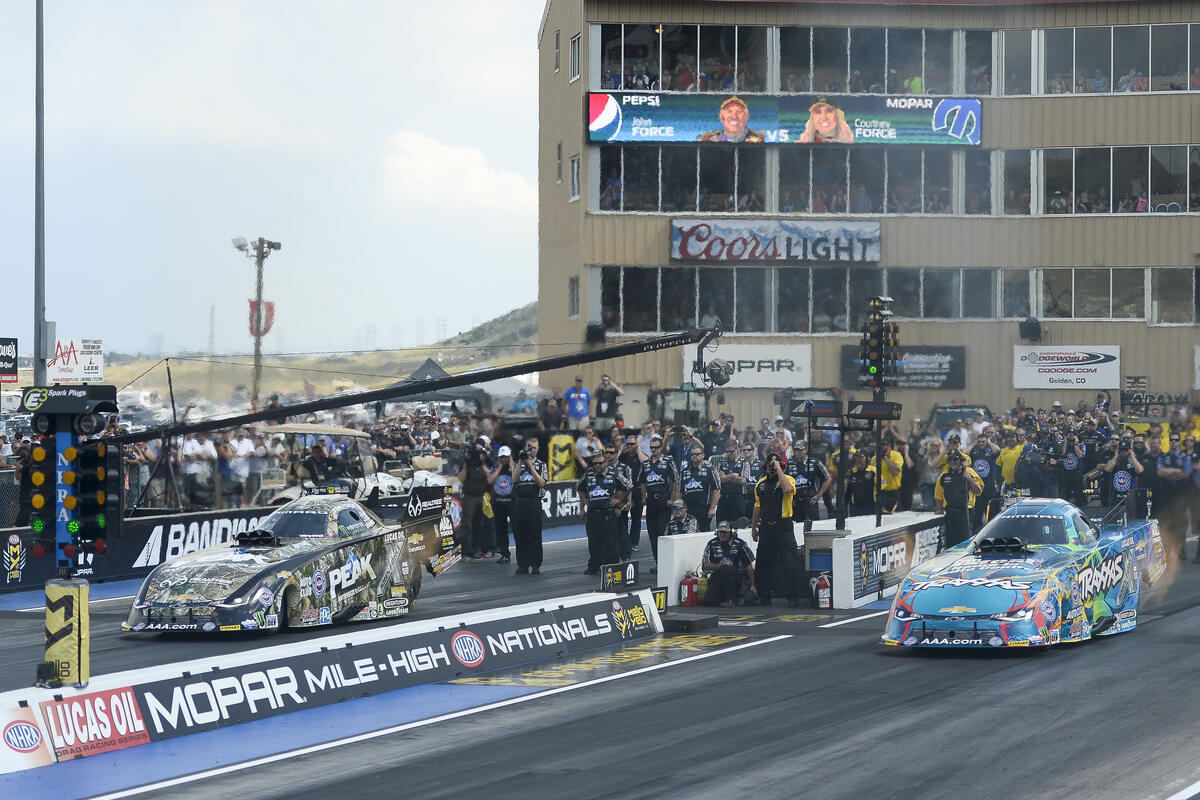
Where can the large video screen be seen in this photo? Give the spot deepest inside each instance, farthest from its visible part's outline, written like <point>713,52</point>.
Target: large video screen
<point>634,117</point>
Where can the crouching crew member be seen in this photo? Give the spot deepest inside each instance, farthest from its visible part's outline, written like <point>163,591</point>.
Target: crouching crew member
<point>730,565</point>
<point>771,527</point>
<point>681,522</point>
<point>955,493</point>
<point>603,491</point>
<point>527,509</point>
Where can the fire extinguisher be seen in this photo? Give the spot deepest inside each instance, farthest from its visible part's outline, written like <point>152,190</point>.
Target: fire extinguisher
<point>689,594</point>
<point>824,591</point>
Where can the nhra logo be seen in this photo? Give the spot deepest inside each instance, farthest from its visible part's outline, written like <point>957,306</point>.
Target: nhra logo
<point>24,737</point>
<point>604,117</point>
<point>1096,580</point>
<point>467,648</point>
<point>982,467</point>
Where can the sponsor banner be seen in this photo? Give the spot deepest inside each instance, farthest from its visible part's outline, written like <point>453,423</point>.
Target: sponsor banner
<point>67,400</point>
<point>774,366</point>
<point>8,360</point>
<point>636,117</point>
<point>68,641</point>
<point>921,367</point>
<point>97,722</point>
<point>615,577</point>
<point>425,501</point>
<point>76,361</point>
<point>192,703</point>
<point>774,241</point>
<point>884,559</point>
<point>1097,367</point>
<point>560,504</point>
<point>25,743</point>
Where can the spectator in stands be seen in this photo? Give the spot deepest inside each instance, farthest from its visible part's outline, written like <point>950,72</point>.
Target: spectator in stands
<point>1099,81</point>
<point>523,405</point>
<point>607,396</point>
<point>199,463</point>
<point>551,412</point>
<point>579,405</point>
<point>585,447</point>
<point>1125,84</point>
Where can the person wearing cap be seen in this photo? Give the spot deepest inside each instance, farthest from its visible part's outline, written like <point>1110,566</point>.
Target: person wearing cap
<point>526,513</point>
<point>750,453</point>
<point>982,459</point>
<point>860,486</point>
<point>603,493</point>
<point>734,115</point>
<point>607,396</point>
<point>474,535</point>
<point>955,493</point>
<point>771,527</point>
<point>579,405</point>
<point>659,482</point>
<point>826,123</point>
<point>730,567</point>
<point>633,461</point>
<point>813,480</point>
<point>733,472</point>
<point>681,522</point>
<point>1010,456</point>
<point>700,488</point>
<point>501,482</point>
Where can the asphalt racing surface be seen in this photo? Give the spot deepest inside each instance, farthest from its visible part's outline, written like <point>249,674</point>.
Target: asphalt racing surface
<point>773,702</point>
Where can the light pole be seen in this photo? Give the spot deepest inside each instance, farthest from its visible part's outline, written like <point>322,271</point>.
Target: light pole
<point>39,212</point>
<point>259,252</point>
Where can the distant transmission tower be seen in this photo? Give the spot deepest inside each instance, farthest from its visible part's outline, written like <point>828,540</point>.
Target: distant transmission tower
<point>369,336</point>
<point>397,335</point>
<point>441,328</point>
<point>420,331</point>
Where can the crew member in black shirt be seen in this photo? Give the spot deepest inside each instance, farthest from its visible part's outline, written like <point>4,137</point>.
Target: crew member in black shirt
<point>733,472</point>
<point>983,460</point>
<point>633,460</point>
<point>730,565</point>
<point>681,522</point>
<point>756,472</point>
<point>603,492</point>
<point>700,489</point>
<point>1123,470</point>
<point>955,493</point>
<point>526,511</point>
<point>813,480</point>
<point>659,481</point>
<point>860,487</point>
<point>771,527</point>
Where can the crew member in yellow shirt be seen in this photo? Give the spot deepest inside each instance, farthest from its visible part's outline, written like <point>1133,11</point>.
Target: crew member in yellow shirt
<point>891,468</point>
<point>1010,454</point>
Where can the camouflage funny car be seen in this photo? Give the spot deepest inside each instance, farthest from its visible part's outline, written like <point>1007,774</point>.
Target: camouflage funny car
<point>318,560</point>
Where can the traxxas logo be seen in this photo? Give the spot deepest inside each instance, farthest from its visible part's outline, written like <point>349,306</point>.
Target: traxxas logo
<point>1095,580</point>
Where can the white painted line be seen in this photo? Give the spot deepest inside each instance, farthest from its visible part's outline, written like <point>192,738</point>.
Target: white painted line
<point>362,737</point>
<point>90,602</point>
<point>852,619</point>
<point>1186,793</point>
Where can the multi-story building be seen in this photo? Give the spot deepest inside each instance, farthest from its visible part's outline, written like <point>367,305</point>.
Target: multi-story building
<point>1023,179</point>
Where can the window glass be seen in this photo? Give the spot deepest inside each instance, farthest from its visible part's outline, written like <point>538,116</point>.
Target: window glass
<point>904,287</point>
<point>829,180</point>
<point>1057,55</point>
<point>792,309</point>
<point>573,187</point>
<point>574,56</point>
<point>1091,294</point>
<point>751,179</point>
<point>936,197</point>
<point>1194,57</point>
<point>864,284</point>
<point>1091,180</point>
<point>641,179</point>
<point>610,178</point>
<point>1168,58</point>
<point>979,293</point>
<point>1131,52</point>
<point>794,60</point>
<point>793,180</point>
<point>1194,171</point>
<point>979,62</point>
<point>716,297</point>
<point>1093,60</point>
<point>941,294</point>
<point>1016,181</point>
<point>904,62</point>
<point>939,51</point>
<point>1171,293</point>
<point>678,298</point>
<point>610,57</point>
<point>752,299</point>
<point>828,300</point>
<point>610,298</point>
<point>1130,168</point>
<point>641,53</point>
<point>679,57</point>
<point>830,69</point>
<point>1016,292</point>
<point>978,169</point>
<point>751,59</point>
<point>1016,62</point>
<point>867,59</point>
<point>716,179</point>
<point>573,296</point>
<point>717,46</point>
<point>904,183</point>
<point>866,181</point>
<point>639,299</point>
<point>1128,293</point>
<point>679,178</point>
<point>1168,178</point>
<point>1056,191</point>
<point>1056,293</point>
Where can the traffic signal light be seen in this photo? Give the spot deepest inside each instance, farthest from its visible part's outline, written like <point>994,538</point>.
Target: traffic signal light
<point>878,354</point>
<point>41,477</point>
<point>86,474</point>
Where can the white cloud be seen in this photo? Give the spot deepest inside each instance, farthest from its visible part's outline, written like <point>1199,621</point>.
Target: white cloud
<point>424,173</point>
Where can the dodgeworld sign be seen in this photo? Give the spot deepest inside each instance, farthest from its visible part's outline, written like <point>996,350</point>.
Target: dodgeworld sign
<point>784,119</point>
<point>758,366</point>
<point>1097,367</point>
<point>774,241</point>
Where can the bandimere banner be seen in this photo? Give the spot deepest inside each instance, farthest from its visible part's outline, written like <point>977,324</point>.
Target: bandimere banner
<point>635,117</point>
<point>774,241</point>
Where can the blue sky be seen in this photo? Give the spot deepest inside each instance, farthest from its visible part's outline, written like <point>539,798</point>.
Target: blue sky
<point>390,146</point>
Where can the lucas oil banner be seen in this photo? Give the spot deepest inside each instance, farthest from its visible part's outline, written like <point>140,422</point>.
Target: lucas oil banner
<point>633,117</point>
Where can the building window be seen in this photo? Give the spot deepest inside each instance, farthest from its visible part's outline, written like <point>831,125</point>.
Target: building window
<point>573,296</point>
<point>575,56</point>
<point>1175,296</point>
<point>574,178</point>
<point>1093,293</point>
<point>558,163</point>
<point>557,49</point>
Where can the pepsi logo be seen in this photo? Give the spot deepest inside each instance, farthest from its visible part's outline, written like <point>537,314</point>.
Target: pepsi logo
<point>604,117</point>
<point>24,737</point>
<point>467,648</point>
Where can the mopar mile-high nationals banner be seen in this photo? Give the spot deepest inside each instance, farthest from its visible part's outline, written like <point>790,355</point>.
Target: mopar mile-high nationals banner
<point>774,240</point>
<point>634,117</point>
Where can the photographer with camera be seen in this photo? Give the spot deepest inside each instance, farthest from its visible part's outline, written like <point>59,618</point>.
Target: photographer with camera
<point>984,453</point>
<point>473,479</point>
<point>526,513</point>
<point>1031,465</point>
<point>502,480</point>
<point>1071,467</point>
<point>607,396</point>
<point>771,527</point>
<point>1123,469</point>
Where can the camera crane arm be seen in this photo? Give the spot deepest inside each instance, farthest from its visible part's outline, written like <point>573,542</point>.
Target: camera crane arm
<point>681,339</point>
